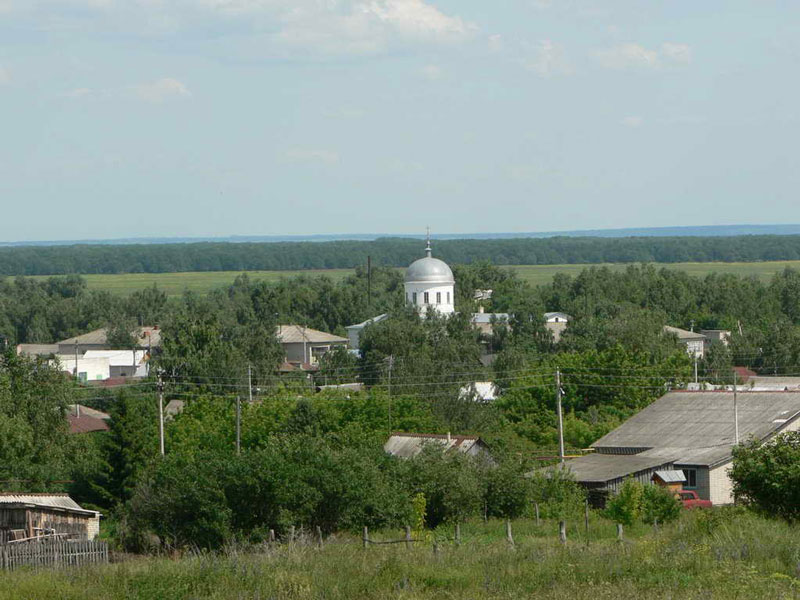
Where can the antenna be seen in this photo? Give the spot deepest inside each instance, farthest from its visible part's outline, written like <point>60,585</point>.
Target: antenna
<point>428,246</point>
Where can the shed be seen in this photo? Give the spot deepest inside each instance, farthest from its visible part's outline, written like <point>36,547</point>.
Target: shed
<point>672,480</point>
<point>34,515</point>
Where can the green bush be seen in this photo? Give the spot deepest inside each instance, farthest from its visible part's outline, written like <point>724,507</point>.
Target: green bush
<point>507,491</point>
<point>556,493</point>
<point>626,506</point>
<point>658,503</point>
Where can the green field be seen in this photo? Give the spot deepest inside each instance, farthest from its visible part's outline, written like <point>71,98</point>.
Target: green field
<point>176,283</point>
<point>704,556</point>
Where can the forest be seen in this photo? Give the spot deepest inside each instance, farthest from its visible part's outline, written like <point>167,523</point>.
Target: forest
<point>394,252</point>
<point>315,459</point>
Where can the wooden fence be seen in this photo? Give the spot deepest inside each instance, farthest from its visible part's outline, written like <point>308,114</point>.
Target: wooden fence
<point>52,553</point>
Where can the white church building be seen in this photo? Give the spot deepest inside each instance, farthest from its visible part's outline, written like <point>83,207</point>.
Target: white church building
<point>430,285</point>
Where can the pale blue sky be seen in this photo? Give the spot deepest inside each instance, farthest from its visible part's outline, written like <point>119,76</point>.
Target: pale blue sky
<point>124,118</point>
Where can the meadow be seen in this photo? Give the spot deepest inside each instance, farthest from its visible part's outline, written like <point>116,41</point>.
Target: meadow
<point>175,284</point>
<point>706,554</point>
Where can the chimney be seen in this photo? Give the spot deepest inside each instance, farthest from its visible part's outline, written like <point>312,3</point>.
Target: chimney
<point>448,437</point>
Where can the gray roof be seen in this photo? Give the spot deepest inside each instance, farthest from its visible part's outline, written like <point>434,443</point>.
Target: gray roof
<point>487,317</point>
<point>697,428</point>
<point>37,349</point>
<point>146,336</point>
<point>52,501</point>
<point>407,445</point>
<point>671,476</point>
<point>429,270</point>
<point>601,468</point>
<point>683,334</point>
<point>363,324</point>
<point>296,334</point>
<point>552,315</point>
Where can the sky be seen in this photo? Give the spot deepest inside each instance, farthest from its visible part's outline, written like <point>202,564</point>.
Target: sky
<point>160,118</point>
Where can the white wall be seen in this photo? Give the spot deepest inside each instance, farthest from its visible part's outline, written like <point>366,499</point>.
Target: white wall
<point>421,288</point>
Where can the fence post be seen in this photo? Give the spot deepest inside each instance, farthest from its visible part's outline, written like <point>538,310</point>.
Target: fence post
<point>562,531</point>
<point>655,524</point>
<point>365,538</point>
<point>291,535</point>
<point>509,537</point>
<point>271,536</point>
<point>458,534</point>
<point>319,536</point>
<point>435,547</point>
<point>408,537</point>
<point>536,508</point>
<point>619,532</point>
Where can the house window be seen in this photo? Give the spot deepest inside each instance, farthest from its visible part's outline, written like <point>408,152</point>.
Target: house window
<point>438,297</point>
<point>691,478</point>
<point>414,298</point>
<point>426,298</point>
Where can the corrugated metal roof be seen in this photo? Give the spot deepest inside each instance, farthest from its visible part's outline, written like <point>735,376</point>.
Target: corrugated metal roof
<point>697,427</point>
<point>62,501</point>
<point>37,349</point>
<point>363,324</point>
<point>671,476</point>
<point>600,468</point>
<point>295,334</point>
<point>407,445</point>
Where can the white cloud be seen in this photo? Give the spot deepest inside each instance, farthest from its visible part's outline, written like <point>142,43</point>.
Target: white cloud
<point>636,56</point>
<point>548,59</point>
<point>273,27</point>
<point>676,53</point>
<point>632,121</point>
<point>327,157</point>
<point>627,56</point>
<point>431,72</point>
<point>161,90</point>
<point>78,93</point>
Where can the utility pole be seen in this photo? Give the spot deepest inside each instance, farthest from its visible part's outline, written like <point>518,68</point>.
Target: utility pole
<point>735,412</point>
<point>76,359</point>
<point>238,425</point>
<point>695,370</point>
<point>560,417</point>
<point>249,385</point>
<point>389,386</point>
<point>369,282</point>
<point>161,414</point>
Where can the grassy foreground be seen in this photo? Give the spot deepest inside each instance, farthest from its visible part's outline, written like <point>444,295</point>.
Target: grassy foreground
<point>174,284</point>
<point>701,556</point>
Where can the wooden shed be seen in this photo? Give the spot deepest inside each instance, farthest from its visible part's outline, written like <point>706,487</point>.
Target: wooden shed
<point>672,480</point>
<point>24,516</point>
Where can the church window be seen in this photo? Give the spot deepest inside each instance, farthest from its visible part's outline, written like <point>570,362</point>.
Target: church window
<point>438,297</point>
<point>448,297</point>
<point>414,298</point>
<point>426,298</point>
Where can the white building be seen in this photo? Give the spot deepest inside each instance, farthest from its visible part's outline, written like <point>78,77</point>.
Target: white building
<point>354,331</point>
<point>430,285</point>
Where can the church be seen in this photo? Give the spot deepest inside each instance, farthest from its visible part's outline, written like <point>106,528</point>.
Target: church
<point>430,285</point>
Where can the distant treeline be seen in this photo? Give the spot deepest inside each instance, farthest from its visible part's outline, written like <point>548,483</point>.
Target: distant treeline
<point>396,252</point>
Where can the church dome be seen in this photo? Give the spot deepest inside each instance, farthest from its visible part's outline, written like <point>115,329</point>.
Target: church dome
<point>429,270</point>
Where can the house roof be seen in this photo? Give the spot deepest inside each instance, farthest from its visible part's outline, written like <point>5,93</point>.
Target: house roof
<point>487,317</point>
<point>37,349</point>
<point>683,334</point>
<point>86,424</point>
<point>296,334</point>
<point>697,428</point>
<point>407,445</point>
<point>601,468</point>
<point>553,315</point>
<point>480,390</point>
<point>147,336</point>
<point>766,382</point>
<point>51,501</point>
<point>363,324</point>
<point>676,476</point>
<point>76,409</point>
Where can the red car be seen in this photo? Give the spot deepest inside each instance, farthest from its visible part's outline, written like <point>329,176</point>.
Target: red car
<point>689,499</point>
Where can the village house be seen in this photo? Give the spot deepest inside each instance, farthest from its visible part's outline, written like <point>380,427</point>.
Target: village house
<point>691,432</point>
<point>100,365</point>
<point>408,445</point>
<point>354,331</point>
<point>25,516</point>
<point>83,419</point>
<point>147,338</point>
<point>698,343</point>
<point>556,323</point>
<point>304,346</point>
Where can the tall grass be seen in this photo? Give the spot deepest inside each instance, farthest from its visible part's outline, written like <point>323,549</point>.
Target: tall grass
<point>714,555</point>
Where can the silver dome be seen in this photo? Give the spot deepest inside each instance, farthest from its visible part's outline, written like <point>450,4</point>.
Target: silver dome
<point>429,270</point>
